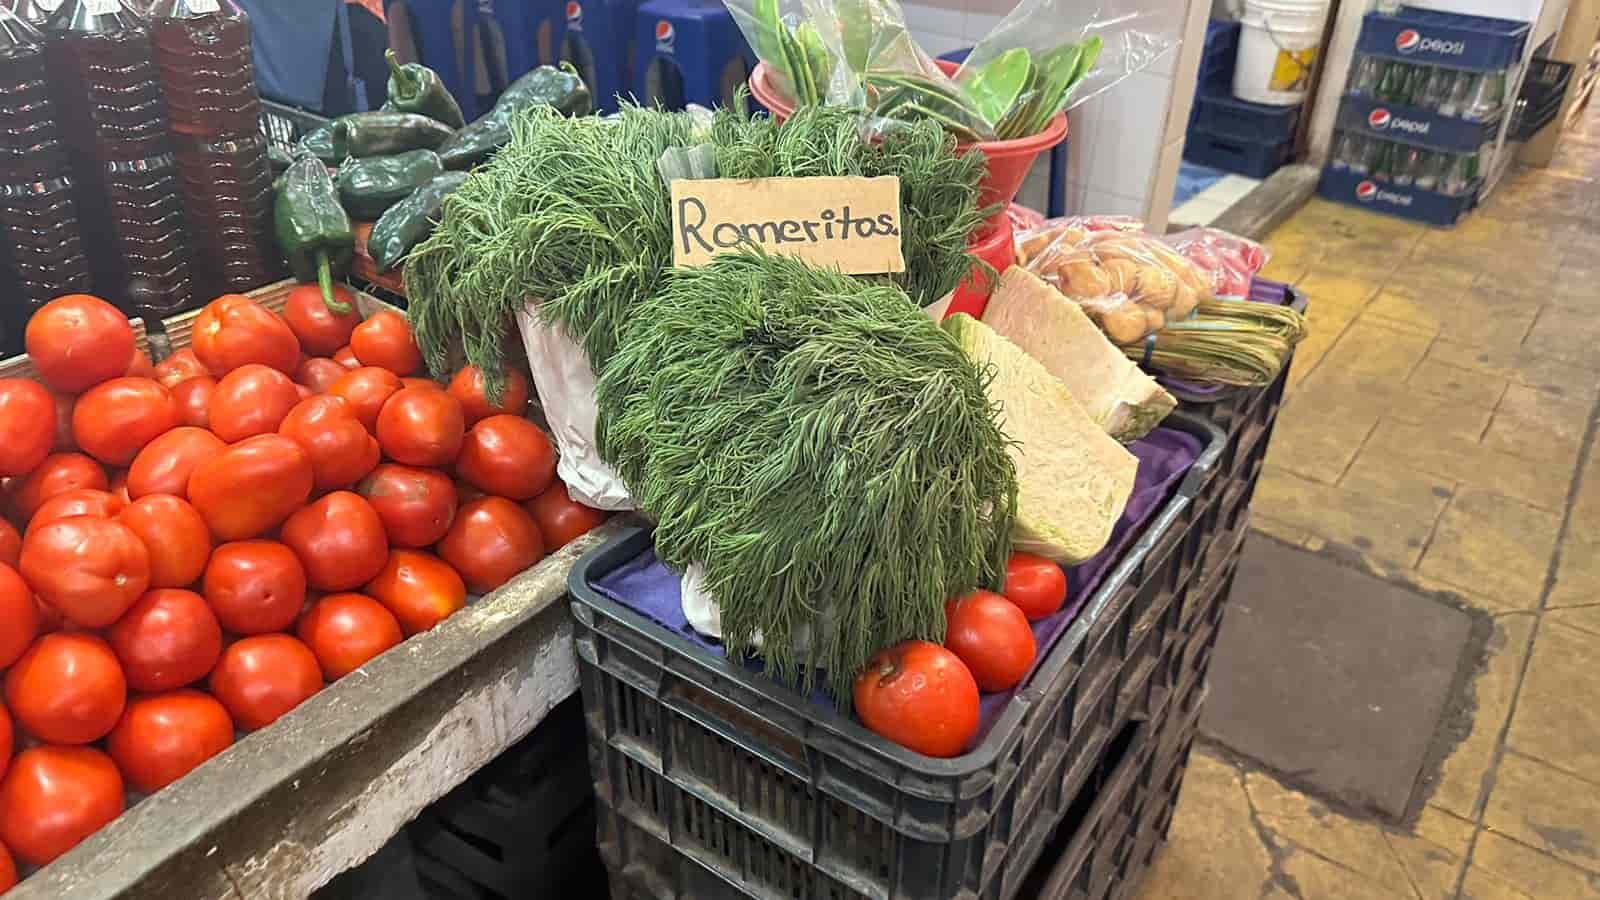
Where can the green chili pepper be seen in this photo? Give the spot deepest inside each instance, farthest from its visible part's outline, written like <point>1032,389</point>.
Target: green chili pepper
<point>319,143</point>
<point>475,143</point>
<point>368,187</point>
<point>386,133</point>
<point>558,87</point>
<point>278,159</point>
<point>415,88</point>
<point>313,230</point>
<point>405,224</point>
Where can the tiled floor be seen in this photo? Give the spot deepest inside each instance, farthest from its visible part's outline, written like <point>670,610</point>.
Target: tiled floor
<point>1206,206</point>
<point>1438,425</point>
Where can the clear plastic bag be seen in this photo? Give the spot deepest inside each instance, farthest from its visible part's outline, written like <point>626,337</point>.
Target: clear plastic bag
<point>1130,283</point>
<point>1230,260</point>
<point>1034,240</point>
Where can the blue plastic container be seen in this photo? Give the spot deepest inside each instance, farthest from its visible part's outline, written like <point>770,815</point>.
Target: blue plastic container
<point>442,31</point>
<point>1241,156</point>
<point>1413,125</point>
<point>688,52</point>
<point>526,32</point>
<point>1219,113</point>
<point>1218,56</point>
<point>1444,39</point>
<point>596,36</point>
<point>1412,203</point>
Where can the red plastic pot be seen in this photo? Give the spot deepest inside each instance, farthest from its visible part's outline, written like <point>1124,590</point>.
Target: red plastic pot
<point>1009,161</point>
<point>994,245</point>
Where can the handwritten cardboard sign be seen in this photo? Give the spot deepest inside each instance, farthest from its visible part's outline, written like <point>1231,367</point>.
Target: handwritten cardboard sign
<point>851,224</point>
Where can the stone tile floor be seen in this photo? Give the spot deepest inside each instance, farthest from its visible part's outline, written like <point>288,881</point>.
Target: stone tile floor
<point>1439,426</point>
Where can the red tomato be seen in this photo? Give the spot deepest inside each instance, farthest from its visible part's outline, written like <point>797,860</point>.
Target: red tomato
<point>8,870</point>
<point>385,340</point>
<point>340,540</point>
<point>991,635</point>
<point>262,677</point>
<point>319,374</point>
<point>468,388</point>
<point>347,630</point>
<point>507,456</point>
<point>54,797</point>
<point>251,400</point>
<point>78,341</point>
<point>60,472</point>
<point>67,689</point>
<point>64,441</point>
<point>89,568</point>
<point>166,736</point>
<point>141,367</point>
<point>165,464</point>
<point>115,419</point>
<point>8,741</point>
<point>80,502</point>
<point>321,330</point>
<point>341,449</point>
<point>194,400</point>
<point>19,616</point>
<point>170,638</point>
<point>234,330</point>
<point>10,546</point>
<point>366,389</point>
<point>919,696</point>
<point>1036,585</point>
<point>415,505</point>
<point>466,493</point>
<point>421,383</point>
<point>118,486</point>
<point>255,586</point>
<point>562,519</point>
<point>180,367</point>
<point>421,427</point>
<point>491,540</point>
<point>174,533</point>
<point>27,425</point>
<point>346,357</point>
<point>419,588</point>
<point>251,487</point>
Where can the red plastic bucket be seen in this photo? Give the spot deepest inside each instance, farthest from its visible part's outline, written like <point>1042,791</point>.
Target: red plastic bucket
<point>993,244</point>
<point>1009,161</point>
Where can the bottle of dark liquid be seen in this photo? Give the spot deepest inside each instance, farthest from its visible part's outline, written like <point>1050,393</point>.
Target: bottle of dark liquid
<point>104,83</point>
<point>203,56</point>
<point>43,256</point>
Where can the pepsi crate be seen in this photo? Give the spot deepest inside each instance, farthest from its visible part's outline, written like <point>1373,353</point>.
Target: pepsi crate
<point>1444,39</point>
<point>744,788</point>
<point>1414,203</point>
<point>1220,115</point>
<point>1407,124</point>
<point>1240,156</point>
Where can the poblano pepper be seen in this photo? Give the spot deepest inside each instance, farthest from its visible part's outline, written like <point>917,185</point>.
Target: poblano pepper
<point>278,159</point>
<point>406,223</point>
<point>319,143</point>
<point>559,88</point>
<point>369,186</point>
<point>415,88</point>
<point>313,230</point>
<point>386,133</point>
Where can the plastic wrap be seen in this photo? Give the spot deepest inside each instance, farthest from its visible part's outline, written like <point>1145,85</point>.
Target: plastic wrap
<point>1131,284</point>
<point>1231,261</point>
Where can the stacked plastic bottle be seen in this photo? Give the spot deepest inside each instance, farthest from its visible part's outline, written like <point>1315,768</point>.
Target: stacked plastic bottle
<point>109,103</point>
<point>43,255</point>
<point>202,50</point>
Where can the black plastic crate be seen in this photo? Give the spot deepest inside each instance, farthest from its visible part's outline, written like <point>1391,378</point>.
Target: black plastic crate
<point>1543,90</point>
<point>1241,156</point>
<point>752,786</point>
<point>284,126</point>
<point>1222,115</point>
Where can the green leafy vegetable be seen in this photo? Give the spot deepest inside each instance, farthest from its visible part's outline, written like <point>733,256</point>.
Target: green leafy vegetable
<point>994,89</point>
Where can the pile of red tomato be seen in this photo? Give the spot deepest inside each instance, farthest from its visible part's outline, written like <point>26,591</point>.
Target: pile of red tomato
<point>192,549</point>
<point>925,697</point>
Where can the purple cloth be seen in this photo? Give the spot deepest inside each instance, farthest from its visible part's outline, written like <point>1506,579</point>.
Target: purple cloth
<point>647,586</point>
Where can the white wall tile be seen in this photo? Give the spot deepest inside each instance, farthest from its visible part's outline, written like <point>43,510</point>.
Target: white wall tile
<point>1077,198</point>
<point>981,21</point>
<point>936,19</point>
<point>1098,202</point>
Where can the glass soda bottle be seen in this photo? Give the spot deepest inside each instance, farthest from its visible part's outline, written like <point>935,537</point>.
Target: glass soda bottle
<point>1369,71</point>
<point>103,82</point>
<point>202,52</point>
<point>38,214</point>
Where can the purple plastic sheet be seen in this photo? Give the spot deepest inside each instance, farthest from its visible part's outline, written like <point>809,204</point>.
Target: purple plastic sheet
<point>1262,290</point>
<point>647,586</point>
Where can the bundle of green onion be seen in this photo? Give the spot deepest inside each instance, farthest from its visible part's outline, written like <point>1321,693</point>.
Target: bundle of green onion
<point>1226,342</point>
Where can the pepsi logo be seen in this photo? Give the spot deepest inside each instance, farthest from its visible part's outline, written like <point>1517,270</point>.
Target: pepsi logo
<point>665,35</point>
<point>1366,190</point>
<point>1379,118</point>
<point>574,11</point>
<point>1407,41</point>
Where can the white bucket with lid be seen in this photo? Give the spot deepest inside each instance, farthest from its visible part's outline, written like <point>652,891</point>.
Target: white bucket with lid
<point>1278,45</point>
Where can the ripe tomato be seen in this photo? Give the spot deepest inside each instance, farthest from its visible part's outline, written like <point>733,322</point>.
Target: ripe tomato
<point>491,540</point>
<point>562,519</point>
<point>366,389</point>
<point>10,546</point>
<point>920,696</point>
<point>8,741</point>
<point>416,382</point>
<point>78,341</point>
<point>421,427</point>
<point>180,367</point>
<point>340,540</point>
<point>347,630</point>
<point>64,441</point>
<point>67,689</point>
<point>991,635</point>
<point>251,400</point>
<point>115,419</point>
<point>164,737</point>
<point>141,367</point>
<point>54,797</point>
<point>194,400</point>
<point>251,487</point>
<point>385,340</point>
<point>468,388</point>
<point>27,425</point>
<point>176,536</point>
<point>1036,585</point>
<point>415,505</point>
<point>58,473</point>
<point>319,374</point>
<point>321,330</point>
<point>255,586</point>
<point>89,568</point>
<point>346,357</point>
<point>341,449</point>
<point>170,638</point>
<point>165,464</point>
<point>419,588</point>
<point>118,486</point>
<point>262,677</point>
<point>8,870</point>
<point>19,616</point>
<point>234,330</point>
<point>507,456</point>
<point>79,502</point>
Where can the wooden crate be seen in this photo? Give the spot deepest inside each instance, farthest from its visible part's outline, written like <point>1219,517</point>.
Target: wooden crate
<point>365,269</point>
<point>20,366</point>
